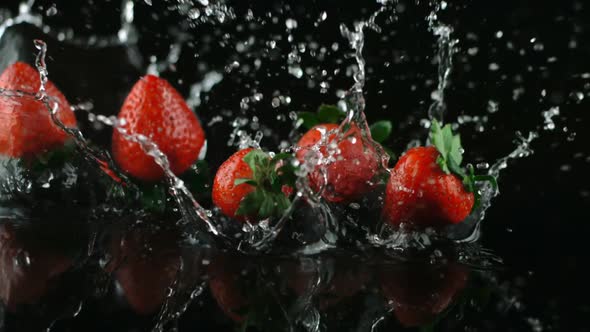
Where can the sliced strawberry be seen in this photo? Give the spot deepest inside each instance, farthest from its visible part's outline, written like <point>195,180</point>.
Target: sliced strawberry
<point>26,127</point>
<point>156,110</point>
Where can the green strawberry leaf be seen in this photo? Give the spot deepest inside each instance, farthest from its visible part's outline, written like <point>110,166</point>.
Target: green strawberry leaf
<point>451,156</point>
<point>267,205</point>
<point>251,203</point>
<point>287,174</point>
<point>269,175</point>
<point>255,159</point>
<point>251,182</point>
<point>330,114</point>
<point>309,119</point>
<point>381,130</point>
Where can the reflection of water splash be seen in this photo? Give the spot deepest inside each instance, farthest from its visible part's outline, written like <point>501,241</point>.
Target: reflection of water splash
<point>445,51</point>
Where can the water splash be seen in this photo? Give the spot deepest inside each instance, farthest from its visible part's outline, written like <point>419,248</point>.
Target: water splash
<point>127,33</point>
<point>445,51</point>
<point>101,159</point>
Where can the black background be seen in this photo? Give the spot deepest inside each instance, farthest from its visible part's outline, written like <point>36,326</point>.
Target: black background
<point>539,224</point>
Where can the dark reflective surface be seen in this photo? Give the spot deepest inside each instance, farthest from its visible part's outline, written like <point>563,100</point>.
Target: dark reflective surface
<point>147,274</point>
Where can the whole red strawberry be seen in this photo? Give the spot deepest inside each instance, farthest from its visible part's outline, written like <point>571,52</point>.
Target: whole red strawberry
<point>252,185</point>
<point>427,186</point>
<point>352,171</point>
<point>156,110</point>
<point>26,127</point>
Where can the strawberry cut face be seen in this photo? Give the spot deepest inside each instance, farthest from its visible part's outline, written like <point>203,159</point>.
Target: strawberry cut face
<point>156,110</point>
<point>26,127</point>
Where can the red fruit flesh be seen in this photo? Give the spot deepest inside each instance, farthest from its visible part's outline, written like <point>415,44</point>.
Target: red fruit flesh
<point>420,194</point>
<point>26,127</point>
<point>349,176</point>
<point>156,110</point>
<point>226,195</point>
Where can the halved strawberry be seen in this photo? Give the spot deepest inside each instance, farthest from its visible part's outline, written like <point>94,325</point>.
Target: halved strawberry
<point>26,127</point>
<point>156,110</point>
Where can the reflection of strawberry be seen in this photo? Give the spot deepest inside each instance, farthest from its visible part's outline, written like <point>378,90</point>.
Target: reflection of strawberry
<point>146,264</point>
<point>27,270</point>
<point>350,175</point>
<point>26,127</point>
<point>337,281</point>
<point>418,293</point>
<point>428,187</point>
<point>156,110</point>
<point>226,285</point>
<point>252,184</point>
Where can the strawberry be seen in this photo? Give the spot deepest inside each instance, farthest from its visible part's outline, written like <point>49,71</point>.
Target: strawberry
<point>428,187</point>
<point>352,172</point>
<point>26,127</point>
<point>252,185</point>
<point>419,293</point>
<point>156,110</point>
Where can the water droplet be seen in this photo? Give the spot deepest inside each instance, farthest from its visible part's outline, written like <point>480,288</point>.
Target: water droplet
<point>291,24</point>
<point>492,106</point>
<point>51,11</point>
<point>276,102</point>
